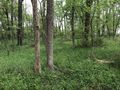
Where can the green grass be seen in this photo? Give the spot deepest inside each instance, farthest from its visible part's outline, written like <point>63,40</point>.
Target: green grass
<point>76,71</point>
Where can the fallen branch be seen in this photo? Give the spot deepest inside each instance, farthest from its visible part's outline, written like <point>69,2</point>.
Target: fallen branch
<point>104,61</point>
<point>101,61</point>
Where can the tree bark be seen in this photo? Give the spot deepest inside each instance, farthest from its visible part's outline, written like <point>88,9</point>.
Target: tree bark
<point>49,33</point>
<point>72,25</point>
<point>19,30</point>
<point>12,3</point>
<point>87,23</point>
<point>36,28</point>
<point>98,18</point>
<point>8,24</point>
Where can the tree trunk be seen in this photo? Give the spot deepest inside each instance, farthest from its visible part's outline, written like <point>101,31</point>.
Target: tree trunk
<point>12,3</point>
<point>8,24</point>
<point>20,31</point>
<point>107,25</point>
<point>49,33</point>
<point>72,25</point>
<point>92,31</point>
<point>103,30</point>
<point>36,28</point>
<point>98,20</point>
<point>87,24</point>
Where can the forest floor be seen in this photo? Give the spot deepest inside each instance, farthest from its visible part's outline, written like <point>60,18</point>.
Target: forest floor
<point>76,69</point>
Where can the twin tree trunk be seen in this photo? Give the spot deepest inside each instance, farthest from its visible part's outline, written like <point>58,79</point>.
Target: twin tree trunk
<point>36,28</point>
<point>20,31</point>
<point>49,33</point>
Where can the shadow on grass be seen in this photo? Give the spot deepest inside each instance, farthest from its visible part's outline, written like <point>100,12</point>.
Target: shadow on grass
<point>115,65</point>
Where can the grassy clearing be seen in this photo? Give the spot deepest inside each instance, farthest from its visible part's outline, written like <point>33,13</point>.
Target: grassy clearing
<point>75,69</point>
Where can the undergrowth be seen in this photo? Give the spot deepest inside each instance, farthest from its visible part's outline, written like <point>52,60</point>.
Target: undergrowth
<point>75,70</point>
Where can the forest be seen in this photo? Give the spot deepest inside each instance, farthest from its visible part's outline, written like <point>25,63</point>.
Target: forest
<point>59,44</point>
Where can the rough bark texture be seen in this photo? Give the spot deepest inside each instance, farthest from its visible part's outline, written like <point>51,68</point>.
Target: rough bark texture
<point>20,31</point>
<point>36,27</point>
<point>87,23</point>
<point>49,33</point>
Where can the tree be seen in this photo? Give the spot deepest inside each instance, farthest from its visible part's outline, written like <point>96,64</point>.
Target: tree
<point>72,23</point>
<point>49,33</point>
<point>87,23</point>
<point>20,27</point>
<point>36,28</point>
<point>12,23</point>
